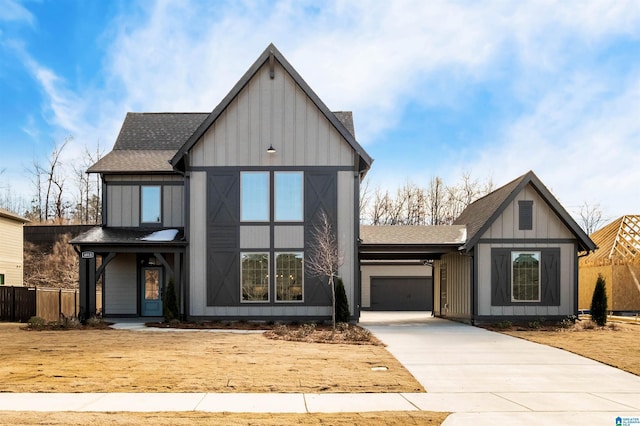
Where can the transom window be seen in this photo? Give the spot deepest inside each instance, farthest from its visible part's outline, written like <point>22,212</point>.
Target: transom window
<point>254,276</point>
<point>525,277</point>
<point>150,211</point>
<point>289,277</point>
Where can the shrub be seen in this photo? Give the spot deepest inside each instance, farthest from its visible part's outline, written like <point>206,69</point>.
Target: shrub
<point>599,302</point>
<point>280,329</point>
<point>170,303</point>
<point>567,322</point>
<point>504,325</point>
<point>36,323</point>
<point>535,325</point>
<point>342,303</point>
<point>305,330</point>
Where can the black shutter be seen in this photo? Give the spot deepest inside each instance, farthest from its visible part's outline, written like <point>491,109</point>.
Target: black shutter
<point>223,238</point>
<point>320,194</point>
<point>500,277</point>
<point>550,271</point>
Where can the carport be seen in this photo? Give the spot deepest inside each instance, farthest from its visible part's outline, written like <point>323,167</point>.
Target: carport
<point>396,264</point>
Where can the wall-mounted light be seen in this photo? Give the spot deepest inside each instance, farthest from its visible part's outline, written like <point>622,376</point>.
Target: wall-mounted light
<point>271,149</point>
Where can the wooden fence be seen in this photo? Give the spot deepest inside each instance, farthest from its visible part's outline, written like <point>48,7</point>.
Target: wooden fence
<point>22,303</point>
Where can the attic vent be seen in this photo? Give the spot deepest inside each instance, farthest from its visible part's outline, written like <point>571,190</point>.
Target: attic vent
<point>525,208</point>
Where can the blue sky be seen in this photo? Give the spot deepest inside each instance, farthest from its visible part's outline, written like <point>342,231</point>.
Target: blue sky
<point>437,88</point>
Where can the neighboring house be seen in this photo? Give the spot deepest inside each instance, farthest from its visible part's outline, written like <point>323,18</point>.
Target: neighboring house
<point>618,260</point>
<point>519,260</point>
<point>11,248</point>
<point>224,204</point>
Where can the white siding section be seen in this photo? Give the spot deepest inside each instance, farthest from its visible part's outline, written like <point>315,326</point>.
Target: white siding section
<point>254,237</point>
<point>11,251</point>
<point>272,112</point>
<point>197,244</point>
<point>567,280</point>
<point>369,271</point>
<point>346,233</point>
<point>546,223</point>
<point>289,237</point>
<point>120,290</point>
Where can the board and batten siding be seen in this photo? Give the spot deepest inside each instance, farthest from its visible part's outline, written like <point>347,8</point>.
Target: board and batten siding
<point>458,286</point>
<point>123,202</point>
<point>346,234</point>
<point>121,286</point>
<point>546,226</point>
<point>11,251</point>
<point>387,270</point>
<point>273,112</point>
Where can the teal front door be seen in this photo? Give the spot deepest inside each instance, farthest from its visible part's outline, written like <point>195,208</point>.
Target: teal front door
<point>151,292</point>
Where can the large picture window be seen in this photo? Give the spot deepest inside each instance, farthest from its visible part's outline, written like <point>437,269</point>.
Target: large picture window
<point>254,276</point>
<point>525,277</point>
<point>288,196</point>
<point>289,276</point>
<point>150,204</point>
<point>254,196</point>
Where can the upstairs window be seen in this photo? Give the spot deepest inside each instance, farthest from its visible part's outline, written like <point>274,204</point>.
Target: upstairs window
<point>150,204</point>
<point>288,197</point>
<point>525,210</point>
<point>254,196</point>
<point>525,277</point>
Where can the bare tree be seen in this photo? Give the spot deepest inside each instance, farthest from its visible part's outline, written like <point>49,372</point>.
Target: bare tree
<point>54,178</point>
<point>325,257</point>
<point>591,217</point>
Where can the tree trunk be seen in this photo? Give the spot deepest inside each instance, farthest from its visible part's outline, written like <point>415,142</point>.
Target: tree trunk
<point>333,305</point>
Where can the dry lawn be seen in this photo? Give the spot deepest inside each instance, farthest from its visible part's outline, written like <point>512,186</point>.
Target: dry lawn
<point>618,346</point>
<point>228,419</point>
<point>193,361</point>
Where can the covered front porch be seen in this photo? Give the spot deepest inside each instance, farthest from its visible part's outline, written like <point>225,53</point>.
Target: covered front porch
<point>135,268</point>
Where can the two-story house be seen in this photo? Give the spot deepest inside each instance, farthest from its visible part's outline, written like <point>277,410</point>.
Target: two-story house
<point>224,204</point>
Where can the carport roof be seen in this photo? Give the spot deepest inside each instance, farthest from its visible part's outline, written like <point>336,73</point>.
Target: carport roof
<point>410,242</point>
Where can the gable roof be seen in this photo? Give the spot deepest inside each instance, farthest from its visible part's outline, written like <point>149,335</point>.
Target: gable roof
<point>481,214</point>
<point>147,141</point>
<point>338,120</point>
<point>409,242</point>
<point>618,242</point>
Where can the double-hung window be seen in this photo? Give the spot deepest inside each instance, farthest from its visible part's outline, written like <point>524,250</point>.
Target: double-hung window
<point>254,276</point>
<point>289,277</point>
<point>150,204</point>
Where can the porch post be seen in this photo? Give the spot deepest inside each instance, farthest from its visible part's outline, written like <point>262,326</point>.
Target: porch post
<point>87,285</point>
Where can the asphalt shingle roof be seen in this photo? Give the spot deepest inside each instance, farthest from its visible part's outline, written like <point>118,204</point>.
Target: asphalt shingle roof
<point>409,235</point>
<point>157,131</point>
<point>122,236</point>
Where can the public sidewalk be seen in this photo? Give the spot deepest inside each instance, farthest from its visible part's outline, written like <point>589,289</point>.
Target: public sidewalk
<point>483,378</point>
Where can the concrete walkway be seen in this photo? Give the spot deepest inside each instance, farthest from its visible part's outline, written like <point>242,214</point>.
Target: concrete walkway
<point>483,378</point>
<point>488,378</point>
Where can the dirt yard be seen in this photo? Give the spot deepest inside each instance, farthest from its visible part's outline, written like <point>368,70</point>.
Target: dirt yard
<point>228,419</point>
<point>618,346</point>
<point>192,361</point>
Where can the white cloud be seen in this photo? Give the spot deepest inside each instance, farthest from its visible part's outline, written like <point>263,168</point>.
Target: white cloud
<point>11,10</point>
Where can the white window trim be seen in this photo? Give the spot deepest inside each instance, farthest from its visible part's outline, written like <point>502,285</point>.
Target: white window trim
<point>268,278</point>
<point>534,252</point>
<point>275,268</point>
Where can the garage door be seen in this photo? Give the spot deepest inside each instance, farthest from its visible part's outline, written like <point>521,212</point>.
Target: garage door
<point>401,293</point>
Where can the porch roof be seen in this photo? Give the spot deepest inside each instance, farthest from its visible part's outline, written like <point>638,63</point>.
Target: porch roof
<point>397,242</point>
<point>108,236</point>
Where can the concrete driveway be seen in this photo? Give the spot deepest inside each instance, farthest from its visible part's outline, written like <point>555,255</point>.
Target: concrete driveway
<point>488,378</point>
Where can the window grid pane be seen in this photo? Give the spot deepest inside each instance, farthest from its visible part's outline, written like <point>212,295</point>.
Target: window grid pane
<point>289,277</point>
<point>254,275</point>
<point>525,277</point>
<point>288,196</point>
<point>150,204</point>
<point>254,196</point>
